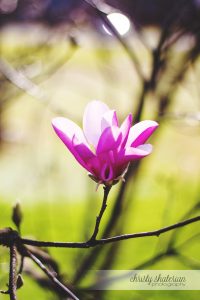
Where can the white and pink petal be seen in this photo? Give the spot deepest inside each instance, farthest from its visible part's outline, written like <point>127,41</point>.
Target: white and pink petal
<point>131,153</point>
<point>92,119</point>
<point>110,139</point>
<point>140,132</point>
<point>125,128</point>
<point>109,119</point>
<point>68,132</point>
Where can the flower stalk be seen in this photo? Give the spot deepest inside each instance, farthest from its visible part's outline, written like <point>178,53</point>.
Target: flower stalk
<point>107,189</point>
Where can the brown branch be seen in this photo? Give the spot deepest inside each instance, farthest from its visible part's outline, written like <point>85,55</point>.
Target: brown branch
<point>93,243</point>
<point>20,80</point>
<point>51,275</point>
<point>189,262</point>
<point>103,17</point>
<point>12,273</point>
<point>102,210</point>
<point>12,239</point>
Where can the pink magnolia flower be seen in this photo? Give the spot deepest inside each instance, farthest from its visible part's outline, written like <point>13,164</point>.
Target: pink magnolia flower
<point>103,147</point>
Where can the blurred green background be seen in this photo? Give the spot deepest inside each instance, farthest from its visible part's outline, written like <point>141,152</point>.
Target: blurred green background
<point>47,72</point>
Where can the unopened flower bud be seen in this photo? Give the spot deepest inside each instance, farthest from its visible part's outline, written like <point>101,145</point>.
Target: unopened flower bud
<point>17,215</point>
<point>20,281</point>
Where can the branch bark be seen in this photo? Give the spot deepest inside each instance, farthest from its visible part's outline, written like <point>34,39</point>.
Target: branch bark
<point>96,242</point>
<point>99,217</point>
<point>13,273</point>
<point>51,275</point>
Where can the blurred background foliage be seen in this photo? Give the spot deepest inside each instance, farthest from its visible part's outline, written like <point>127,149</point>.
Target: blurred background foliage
<point>135,55</point>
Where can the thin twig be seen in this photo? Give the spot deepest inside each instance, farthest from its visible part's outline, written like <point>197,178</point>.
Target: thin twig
<point>188,241</point>
<point>188,214</point>
<point>93,243</point>
<point>51,275</point>
<point>188,261</point>
<point>89,260</point>
<point>12,273</point>
<point>20,80</point>
<point>102,210</point>
<point>116,34</point>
